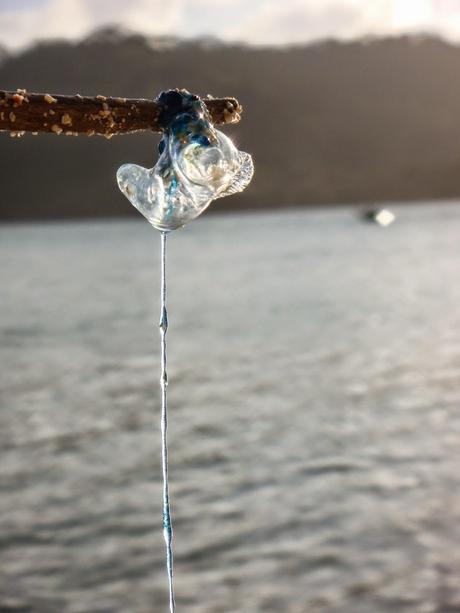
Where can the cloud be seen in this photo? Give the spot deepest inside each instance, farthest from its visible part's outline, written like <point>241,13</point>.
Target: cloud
<point>299,21</point>
<point>75,18</point>
<point>294,21</point>
<point>254,21</point>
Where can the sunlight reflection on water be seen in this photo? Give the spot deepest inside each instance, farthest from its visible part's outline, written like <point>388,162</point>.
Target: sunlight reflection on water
<point>314,430</point>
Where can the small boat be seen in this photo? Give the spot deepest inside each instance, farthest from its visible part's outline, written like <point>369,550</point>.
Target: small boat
<point>382,217</point>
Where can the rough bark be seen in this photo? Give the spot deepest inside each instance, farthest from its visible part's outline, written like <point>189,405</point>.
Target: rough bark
<point>22,112</point>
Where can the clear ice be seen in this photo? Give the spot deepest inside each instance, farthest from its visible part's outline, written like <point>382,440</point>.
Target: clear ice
<point>197,164</point>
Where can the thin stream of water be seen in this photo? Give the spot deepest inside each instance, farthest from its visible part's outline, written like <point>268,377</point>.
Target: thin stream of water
<point>167,526</point>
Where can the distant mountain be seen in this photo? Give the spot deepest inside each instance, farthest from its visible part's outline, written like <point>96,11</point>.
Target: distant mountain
<point>334,122</point>
<point>3,53</point>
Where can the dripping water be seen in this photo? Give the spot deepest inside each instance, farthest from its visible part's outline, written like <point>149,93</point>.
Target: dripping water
<point>167,527</point>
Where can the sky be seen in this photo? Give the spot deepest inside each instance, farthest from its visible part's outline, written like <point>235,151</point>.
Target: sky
<point>252,21</point>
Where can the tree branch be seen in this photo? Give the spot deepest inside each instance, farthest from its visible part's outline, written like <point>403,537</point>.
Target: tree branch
<point>22,112</point>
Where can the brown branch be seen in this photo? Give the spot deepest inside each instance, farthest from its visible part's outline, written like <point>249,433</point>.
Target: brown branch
<point>22,112</point>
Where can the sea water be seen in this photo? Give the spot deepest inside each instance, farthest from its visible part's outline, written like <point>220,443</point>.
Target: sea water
<point>314,427</point>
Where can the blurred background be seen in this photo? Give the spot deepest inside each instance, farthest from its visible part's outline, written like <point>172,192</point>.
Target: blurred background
<point>314,343</point>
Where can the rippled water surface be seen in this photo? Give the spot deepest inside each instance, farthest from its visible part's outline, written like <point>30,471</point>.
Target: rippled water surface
<point>314,415</point>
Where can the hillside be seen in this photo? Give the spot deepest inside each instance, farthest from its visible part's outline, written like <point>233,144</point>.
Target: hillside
<point>327,123</point>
